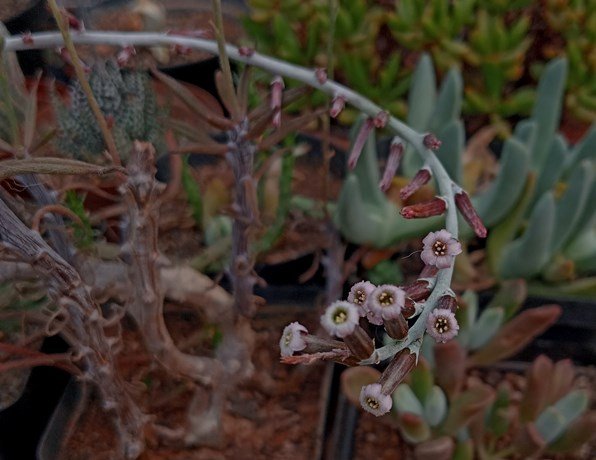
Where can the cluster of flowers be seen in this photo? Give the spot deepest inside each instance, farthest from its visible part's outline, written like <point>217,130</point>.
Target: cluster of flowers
<point>387,305</point>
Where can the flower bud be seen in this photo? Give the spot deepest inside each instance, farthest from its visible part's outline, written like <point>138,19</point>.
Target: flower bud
<point>418,290</point>
<point>463,203</point>
<point>396,152</point>
<point>277,87</point>
<point>398,369</point>
<point>292,339</point>
<point>359,343</point>
<point>434,207</point>
<point>361,138</point>
<point>321,75</point>
<point>447,302</point>
<point>337,105</point>
<point>245,51</point>
<point>421,178</point>
<point>430,141</point>
<point>381,119</point>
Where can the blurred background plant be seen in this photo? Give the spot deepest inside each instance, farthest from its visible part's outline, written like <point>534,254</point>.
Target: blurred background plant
<point>453,407</point>
<point>534,197</point>
<point>501,47</point>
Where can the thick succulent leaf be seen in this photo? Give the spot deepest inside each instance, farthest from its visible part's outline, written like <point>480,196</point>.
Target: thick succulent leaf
<point>435,406</point>
<point>571,205</point>
<point>547,109</point>
<point>421,380</point>
<point>450,368</point>
<point>466,316</point>
<point>423,94</point>
<point>421,103</point>
<point>452,136</point>
<point>528,442</point>
<point>560,381</point>
<point>464,450</point>
<point>527,255</point>
<point>553,168</point>
<point>511,295</point>
<point>469,403</point>
<point>585,149</point>
<point>405,401</point>
<point>535,397</point>
<point>525,132</point>
<point>582,250</point>
<point>578,433</point>
<point>485,328</point>
<point>500,415</point>
<point>516,334</point>
<point>413,427</point>
<point>354,378</point>
<point>504,192</point>
<point>504,232</point>
<point>436,449</point>
<point>448,106</point>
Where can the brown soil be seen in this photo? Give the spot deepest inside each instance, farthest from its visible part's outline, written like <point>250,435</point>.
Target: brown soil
<point>274,415</point>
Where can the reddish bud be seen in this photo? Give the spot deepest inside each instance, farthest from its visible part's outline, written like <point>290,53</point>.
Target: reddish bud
<point>434,207</point>
<point>397,370</point>
<point>277,87</point>
<point>463,203</point>
<point>246,51</point>
<point>321,75</point>
<point>125,54</point>
<point>447,302</point>
<point>27,38</point>
<point>74,22</point>
<point>409,309</point>
<point>421,178</point>
<point>181,50</point>
<point>396,152</point>
<point>110,121</point>
<point>430,141</point>
<point>381,119</point>
<point>337,105</point>
<point>429,271</point>
<point>419,290</point>
<point>361,138</point>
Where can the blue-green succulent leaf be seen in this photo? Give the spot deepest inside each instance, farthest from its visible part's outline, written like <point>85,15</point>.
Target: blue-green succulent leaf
<point>435,406</point>
<point>547,109</point>
<point>554,420</point>
<point>486,326</point>
<point>448,106</point>
<point>405,400</point>
<point>553,168</point>
<point>452,136</point>
<point>527,255</point>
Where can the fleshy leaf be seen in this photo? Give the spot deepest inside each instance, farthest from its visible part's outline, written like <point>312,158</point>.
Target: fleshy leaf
<point>516,334</point>
<point>354,378</point>
<point>474,400</point>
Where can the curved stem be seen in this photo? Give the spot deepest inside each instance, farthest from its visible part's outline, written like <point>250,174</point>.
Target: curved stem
<point>308,77</point>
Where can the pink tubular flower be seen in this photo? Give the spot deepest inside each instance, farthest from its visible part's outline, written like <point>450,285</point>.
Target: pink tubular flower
<point>361,139</point>
<point>434,207</point>
<point>337,105</point>
<point>441,325</point>
<point>396,152</point>
<point>387,301</point>
<point>373,400</point>
<point>430,141</point>
<point>359,294</point>
<point>291,339</point>
<point>464,204</point>
<point>340,318</point>
<point>421,178</point>
<point>321,75</point>
<point>440,248</point>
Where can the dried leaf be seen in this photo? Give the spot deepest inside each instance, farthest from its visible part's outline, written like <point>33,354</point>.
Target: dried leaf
<point>48,165</point>
<point>537,388</point>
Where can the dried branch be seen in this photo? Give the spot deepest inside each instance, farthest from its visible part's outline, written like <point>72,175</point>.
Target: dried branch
<point>67,290</point>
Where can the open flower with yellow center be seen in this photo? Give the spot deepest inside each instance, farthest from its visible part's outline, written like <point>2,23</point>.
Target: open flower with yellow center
<point>373,400</point>
<point>387,301</point>
<point>340,318</point>
<point>441,325</point>
<point>292,339</point>
<point>440,248</point>
<point>359,294</point>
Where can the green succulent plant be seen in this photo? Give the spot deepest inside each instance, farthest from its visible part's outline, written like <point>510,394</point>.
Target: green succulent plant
<point>125,97</point>
<point>537,209</point>
<point>447,413</point>
<point>575,22</point>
